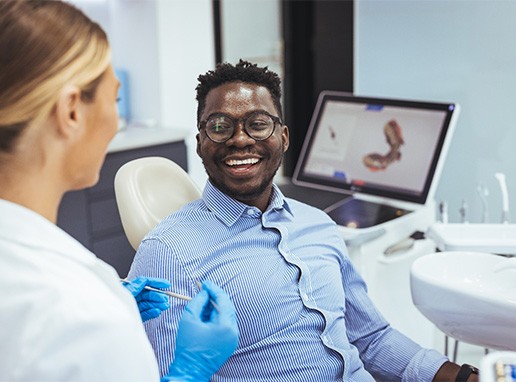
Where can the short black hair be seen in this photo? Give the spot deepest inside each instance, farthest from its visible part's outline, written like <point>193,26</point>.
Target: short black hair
<point>244,71</point>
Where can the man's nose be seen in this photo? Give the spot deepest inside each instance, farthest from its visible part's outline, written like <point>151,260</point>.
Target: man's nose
<point>240,137</point>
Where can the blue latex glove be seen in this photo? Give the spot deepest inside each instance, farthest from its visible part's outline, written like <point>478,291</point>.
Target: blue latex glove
<point>150,303</point>
<point>206,338</point>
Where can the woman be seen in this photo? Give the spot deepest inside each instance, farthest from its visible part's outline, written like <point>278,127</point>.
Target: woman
<point>63,313</point>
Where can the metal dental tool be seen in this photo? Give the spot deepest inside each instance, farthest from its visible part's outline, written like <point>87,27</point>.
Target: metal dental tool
<point>463,210</point>
<point>212,302</point>
<point>483,192</point>
<point>505,196</point>
<point>176,295</point>
<point>443,212</point>
<point>171,294</point>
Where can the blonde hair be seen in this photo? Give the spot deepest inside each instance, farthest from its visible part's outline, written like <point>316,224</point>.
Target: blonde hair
<point>44,46</point>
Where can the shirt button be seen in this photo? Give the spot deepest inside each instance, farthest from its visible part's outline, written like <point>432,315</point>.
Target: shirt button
<point>324,339</point>
<point>305,297</point>
<point>250,212</point>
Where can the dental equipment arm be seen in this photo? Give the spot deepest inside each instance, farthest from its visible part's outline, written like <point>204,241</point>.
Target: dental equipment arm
<point>206,336</point>
<point>150,302</point>
<point>505,196</point>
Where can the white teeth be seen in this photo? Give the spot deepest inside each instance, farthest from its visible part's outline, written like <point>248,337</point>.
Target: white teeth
<point>235,162</point>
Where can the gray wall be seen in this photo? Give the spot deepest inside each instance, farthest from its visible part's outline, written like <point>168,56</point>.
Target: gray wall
<point>452,50</point>
<point>251,30</point>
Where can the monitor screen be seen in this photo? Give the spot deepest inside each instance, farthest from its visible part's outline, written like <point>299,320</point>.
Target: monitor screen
<point>377,146</point>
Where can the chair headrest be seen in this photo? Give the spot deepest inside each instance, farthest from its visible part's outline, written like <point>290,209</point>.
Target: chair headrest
<point>149,189</point>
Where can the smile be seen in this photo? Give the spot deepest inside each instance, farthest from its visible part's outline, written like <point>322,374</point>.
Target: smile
<point>240,162</point>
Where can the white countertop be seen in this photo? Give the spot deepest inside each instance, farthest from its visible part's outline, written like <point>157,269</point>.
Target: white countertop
<point>136,136</point>
<point>476,237</point>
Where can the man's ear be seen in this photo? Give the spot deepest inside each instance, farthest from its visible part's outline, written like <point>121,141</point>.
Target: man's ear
<point>68,113</point>
<point>198,148</point>
<point>285,138</point>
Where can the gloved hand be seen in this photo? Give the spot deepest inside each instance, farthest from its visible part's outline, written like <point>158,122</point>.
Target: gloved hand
<point>206,338</point>
<point>150,303</point>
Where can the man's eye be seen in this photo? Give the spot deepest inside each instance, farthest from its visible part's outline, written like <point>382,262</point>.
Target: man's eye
<point>218,127</point>
<point>260,123</point>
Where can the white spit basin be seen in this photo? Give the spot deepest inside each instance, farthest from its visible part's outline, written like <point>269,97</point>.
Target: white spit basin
<point>470,296</point>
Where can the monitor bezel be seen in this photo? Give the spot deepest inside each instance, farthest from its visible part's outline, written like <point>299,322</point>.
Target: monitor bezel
<point>452,110</point>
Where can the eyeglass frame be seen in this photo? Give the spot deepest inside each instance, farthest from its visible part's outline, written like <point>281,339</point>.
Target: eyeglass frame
<point>236,121</point>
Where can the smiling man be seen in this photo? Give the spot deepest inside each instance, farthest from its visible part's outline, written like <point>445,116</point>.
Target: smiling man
<point>303,310</point>
<point>241,140</point>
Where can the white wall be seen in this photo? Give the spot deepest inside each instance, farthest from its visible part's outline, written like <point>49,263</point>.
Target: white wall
<point>450,50</point>
<point>164,45</point>
<point>186,49</point>
<point>131,29</point>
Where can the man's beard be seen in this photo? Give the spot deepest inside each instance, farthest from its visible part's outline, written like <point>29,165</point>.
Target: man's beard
<point>242,195</point>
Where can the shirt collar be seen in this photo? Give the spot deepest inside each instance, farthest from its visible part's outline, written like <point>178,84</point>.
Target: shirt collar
<point>229,210</point>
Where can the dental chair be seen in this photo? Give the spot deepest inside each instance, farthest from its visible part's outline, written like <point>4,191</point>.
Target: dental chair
<point>149,189</point>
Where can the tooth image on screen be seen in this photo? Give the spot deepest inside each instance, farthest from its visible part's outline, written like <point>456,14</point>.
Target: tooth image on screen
<point>394,138</point>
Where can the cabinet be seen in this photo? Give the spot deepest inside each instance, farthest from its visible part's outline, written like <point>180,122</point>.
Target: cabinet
<point>91,215</point>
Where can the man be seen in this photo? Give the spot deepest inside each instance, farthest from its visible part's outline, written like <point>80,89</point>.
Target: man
<point>303,311</point>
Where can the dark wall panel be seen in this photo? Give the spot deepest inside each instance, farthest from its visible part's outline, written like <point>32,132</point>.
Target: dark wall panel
<point>318,40</point>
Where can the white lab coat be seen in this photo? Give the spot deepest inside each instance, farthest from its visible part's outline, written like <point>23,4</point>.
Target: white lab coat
<point>63,314</point>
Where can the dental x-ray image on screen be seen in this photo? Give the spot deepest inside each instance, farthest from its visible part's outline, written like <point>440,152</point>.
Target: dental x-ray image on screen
<point>390,148</point>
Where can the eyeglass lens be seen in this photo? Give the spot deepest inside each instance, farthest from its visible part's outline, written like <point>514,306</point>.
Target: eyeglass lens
<point>258,126</point>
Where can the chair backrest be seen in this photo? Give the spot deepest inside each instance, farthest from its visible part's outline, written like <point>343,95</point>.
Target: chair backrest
<point>147,190</point>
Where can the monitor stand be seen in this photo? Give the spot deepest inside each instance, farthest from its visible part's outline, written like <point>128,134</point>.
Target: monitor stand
<point>317,198</point>
<point>358,213</point>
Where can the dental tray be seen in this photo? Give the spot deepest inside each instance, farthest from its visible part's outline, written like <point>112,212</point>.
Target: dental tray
<point>493,238</point>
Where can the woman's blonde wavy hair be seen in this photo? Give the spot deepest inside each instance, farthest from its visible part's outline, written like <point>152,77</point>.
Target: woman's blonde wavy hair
<point>45,45</point>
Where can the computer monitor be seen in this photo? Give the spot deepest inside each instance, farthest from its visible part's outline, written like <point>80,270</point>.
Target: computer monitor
<point>377,149</point>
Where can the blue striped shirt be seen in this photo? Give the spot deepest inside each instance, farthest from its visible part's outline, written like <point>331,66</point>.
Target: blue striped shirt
<point>303,310</point>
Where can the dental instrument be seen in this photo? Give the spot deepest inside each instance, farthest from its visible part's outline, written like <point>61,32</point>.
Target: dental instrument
<point>171,294</point>
<point>443,212</point>
<point>505,196</point>
<point>404,245</point>
<point>176,295</point>
<point>463,209</point>
<point>212,302</point>
<point>400,247</point>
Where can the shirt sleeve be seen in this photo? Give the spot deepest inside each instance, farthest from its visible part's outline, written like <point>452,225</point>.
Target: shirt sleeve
<point>386,353</point>
<point>155,258</point>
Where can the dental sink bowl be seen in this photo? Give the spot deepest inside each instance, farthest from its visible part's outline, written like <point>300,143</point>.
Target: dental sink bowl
<point>470,296</point>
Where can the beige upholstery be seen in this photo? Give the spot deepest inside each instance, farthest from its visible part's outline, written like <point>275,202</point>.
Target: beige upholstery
<point>147,190</point>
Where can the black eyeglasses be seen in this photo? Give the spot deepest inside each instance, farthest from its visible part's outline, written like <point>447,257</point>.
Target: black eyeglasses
<point>259,125</point>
